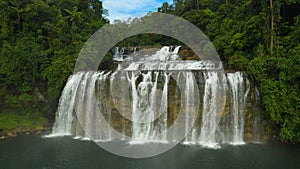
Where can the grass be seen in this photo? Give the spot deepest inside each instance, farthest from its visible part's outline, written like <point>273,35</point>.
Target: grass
<point>14,120</point>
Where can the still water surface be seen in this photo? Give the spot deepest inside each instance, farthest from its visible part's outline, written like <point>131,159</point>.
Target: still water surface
<point>34,152</point>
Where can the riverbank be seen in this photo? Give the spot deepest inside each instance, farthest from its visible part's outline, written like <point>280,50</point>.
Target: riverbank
<point>14,124</point>
<point>6,133</point>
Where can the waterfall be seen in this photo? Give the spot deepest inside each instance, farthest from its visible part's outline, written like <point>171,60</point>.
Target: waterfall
<point>209,112</point>
<point>149,119</point>
<point>189,101</point>
<point>134,103</point>
<point>178,102</point>
<point>64,115</point>
<point>118,79</point>
<point>162,123</point>
<point>257,119</point>
<point>118,55</point>
<point>142,113</point>
<point>236,85</point>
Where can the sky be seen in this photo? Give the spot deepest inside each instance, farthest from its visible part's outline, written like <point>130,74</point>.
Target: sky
<point>124,9</point>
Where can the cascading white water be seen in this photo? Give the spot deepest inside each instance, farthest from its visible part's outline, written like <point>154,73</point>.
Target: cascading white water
<point>188,105</point>
<point>120,80</point>
<point>236,83</point>
<point>257,119</point>
<point>87,110</point>
<point>140,92</point>
<point>209,112</point>
<point>163,111</point>
<point>145,109</point>
<point>118,55</point>
<point>142,113</point>
<point>177,101</point>
<point>64,115</point>
<point>78,100</point>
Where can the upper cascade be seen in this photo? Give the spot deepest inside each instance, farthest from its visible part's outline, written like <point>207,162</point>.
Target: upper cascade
<point>164,59</point>
<point>165,54</point>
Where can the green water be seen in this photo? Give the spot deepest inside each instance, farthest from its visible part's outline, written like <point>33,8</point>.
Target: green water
<point>34,152</point>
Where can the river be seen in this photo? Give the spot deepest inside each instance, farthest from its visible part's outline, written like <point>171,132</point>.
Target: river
<point>35,152</point>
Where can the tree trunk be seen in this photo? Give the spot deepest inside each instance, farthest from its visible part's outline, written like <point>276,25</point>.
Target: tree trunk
<point>19,22</point>
<point>272,27</point>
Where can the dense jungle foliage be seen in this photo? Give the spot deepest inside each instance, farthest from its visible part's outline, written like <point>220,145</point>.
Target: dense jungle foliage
<point>41,39</point>
<point>40,42</point>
